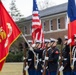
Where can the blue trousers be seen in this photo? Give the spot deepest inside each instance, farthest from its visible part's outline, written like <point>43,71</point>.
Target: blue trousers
<point>52,73</point>
<point>74,73</point>
<point>67,73</point>
<point>31,72</point>
<point>47,73</point>
<point>38,73</point>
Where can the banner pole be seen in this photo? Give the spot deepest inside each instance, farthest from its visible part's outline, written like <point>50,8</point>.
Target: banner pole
<point>29,46</point>
<point>25,72</point>
<point>70,43</point>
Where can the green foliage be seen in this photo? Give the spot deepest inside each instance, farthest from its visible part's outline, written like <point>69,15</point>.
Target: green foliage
<point>14,58</point>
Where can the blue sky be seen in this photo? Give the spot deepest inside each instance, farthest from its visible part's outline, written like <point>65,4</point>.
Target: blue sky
<point>25,6</point>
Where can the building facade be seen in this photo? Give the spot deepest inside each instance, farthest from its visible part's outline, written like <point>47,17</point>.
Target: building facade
<point>54,22</point>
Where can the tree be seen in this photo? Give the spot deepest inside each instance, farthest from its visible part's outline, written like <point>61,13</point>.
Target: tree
<point>45,4</point>
<point>14,12</point>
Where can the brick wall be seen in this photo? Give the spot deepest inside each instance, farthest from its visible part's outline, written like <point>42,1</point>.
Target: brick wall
<point>48,33</point>
<point>62,22</point>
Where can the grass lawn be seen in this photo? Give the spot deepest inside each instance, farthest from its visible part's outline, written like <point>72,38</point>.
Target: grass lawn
<point>12,69</point>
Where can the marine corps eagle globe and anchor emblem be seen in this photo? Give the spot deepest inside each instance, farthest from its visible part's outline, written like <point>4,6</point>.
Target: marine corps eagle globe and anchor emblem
<point>2,34</point>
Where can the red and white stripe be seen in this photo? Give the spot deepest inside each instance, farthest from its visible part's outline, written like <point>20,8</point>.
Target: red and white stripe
<point>37,32</point>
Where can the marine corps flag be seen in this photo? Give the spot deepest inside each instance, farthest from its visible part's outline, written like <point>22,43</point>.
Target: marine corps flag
<point>9,32</point>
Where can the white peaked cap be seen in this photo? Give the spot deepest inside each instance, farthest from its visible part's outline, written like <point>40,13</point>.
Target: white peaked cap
<point>66,37</point>
<point>47,40</point>
<point>74,35</point>
<point>38,41</point>
<point>29,41</point>
<point>33,45</point>
<point>53,40</point>
<point>69,41</point>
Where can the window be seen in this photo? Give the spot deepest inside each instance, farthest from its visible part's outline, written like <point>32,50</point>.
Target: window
<point>25,29</point>
<point>51,25</point>
<point>30,29</point>
<point>58,23</point>
<point>44,26</point>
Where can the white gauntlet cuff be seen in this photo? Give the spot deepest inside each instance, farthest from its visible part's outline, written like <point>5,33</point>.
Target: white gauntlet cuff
<point>61,68</point>
<point>46,58</point>
<point>26,68</point>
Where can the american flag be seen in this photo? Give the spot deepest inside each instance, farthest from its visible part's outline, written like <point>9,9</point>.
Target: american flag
<point>37,32</point>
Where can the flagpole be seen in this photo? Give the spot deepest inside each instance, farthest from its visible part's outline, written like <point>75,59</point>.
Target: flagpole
<point>60,60</point>
<point>29,46</point>
<point>24,72</point>
<point>70,43</point>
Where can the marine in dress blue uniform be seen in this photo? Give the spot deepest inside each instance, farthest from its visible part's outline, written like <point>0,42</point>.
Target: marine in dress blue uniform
<point>47,41</point>
<point>53,59</point>
<point>30,61</point>
<point>66,58</point>
<point>38,60</point>
<point>74,55</point>
<point>31,69</point>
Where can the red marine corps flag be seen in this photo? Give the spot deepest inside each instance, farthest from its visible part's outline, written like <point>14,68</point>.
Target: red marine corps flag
<point>9,32</point>
<point>37,32</point>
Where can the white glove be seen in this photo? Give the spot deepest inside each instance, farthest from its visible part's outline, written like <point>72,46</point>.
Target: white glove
<point>46,58</point>
<point>24,58</point>
<point>74,59</point>
<point>31,48</point>
<point>33,45</point>
<point>40,60</point>
<point>69,41</point>
<point>59,57</point>
<point>61,68</point>
<point>41,71</point>
<point>26,68</point>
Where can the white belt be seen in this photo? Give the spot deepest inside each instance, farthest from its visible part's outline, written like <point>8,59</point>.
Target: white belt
<point>29,59</point>
<point>65,58</point>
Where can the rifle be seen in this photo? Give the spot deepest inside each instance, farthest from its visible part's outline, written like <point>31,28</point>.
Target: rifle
<point>45,62</point>
<point>60,61</point>
<point>36,62</point>
<point>24,65</point>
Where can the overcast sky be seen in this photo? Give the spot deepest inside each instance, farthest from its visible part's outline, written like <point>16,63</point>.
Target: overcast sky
<point>25,6</point>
